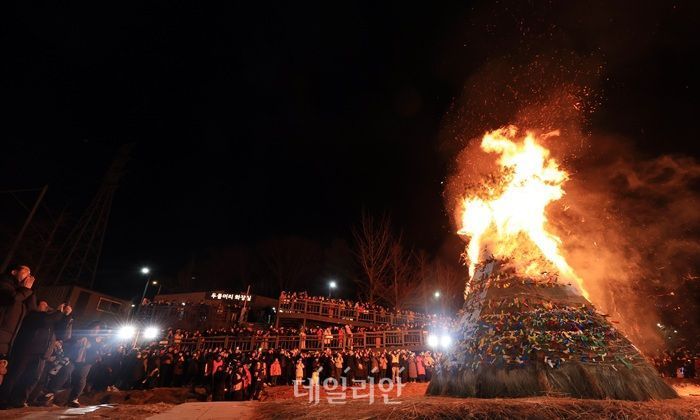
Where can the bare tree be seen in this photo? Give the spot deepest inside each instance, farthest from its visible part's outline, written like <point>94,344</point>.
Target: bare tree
<point>449,280</point>
<point>402,285</point>
<point>373,242</point>
<point>423,276</point>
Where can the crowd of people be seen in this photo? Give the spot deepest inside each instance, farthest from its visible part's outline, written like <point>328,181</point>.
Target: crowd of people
<point>288,297</point>
<point>41,354</point>
<point>228,374</point>
<point>282,331</point>
<point>31,333</point>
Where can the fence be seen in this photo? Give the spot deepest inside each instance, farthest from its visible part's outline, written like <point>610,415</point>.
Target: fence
<point>338,312</point>
<point>408,339</point>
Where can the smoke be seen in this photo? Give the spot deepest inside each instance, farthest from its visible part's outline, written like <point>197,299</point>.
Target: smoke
<point>630,227</point>
<point>629,223</point>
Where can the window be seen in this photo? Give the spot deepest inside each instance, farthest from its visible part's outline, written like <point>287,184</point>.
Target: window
<point>109,305</point>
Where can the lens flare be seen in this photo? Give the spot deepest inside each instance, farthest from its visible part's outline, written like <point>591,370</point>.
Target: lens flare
<point>150,333</point>
<point>126,332</point>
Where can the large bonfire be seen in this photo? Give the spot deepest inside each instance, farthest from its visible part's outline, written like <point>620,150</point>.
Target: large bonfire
<point>527,326</point>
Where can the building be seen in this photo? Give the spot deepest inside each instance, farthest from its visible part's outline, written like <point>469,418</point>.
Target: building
<point>88,305</point>
<point>211,309</point>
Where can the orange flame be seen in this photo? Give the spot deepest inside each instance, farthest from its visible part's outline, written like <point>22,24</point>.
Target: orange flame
<point>509,216</point>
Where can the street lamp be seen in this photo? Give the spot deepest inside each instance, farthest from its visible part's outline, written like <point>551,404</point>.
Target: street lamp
<point>331,285</point>
<point>438,301</point>
<point>146,272</point>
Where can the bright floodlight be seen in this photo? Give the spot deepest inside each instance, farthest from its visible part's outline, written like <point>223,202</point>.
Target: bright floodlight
<point>437,294</point>
<point>154,282</point>
<point>445,341</point>
<point>145,270</point>
<point>126,332</point>
<point>332,284</point>
<point>150,333</point>
<point>432,340</point>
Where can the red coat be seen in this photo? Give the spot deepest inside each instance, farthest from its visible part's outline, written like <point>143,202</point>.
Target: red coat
<point>275,369</point>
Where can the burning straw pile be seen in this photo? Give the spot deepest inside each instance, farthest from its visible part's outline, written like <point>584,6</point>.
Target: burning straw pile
<point>525,337</point>
<point>528,328</point>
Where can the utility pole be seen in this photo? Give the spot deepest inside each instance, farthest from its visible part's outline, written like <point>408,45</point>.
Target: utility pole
<point>49,241</point>
<point>18,239</point>
<point>79,256</point>
<point>244,310</point>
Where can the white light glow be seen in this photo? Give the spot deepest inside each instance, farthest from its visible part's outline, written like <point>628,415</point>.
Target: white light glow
<point>126,332</point>
<point>445,341</point>
<point>433,340</point>
<point>150,333</point>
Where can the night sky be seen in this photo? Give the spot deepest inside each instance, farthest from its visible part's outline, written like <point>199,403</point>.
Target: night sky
<point>254,120</point>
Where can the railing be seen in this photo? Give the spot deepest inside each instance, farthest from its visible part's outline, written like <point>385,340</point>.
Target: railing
<point>339,313</point>
<point>408,339</point>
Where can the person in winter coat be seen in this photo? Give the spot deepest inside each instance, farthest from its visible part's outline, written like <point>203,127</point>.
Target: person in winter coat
<point>219,384</point>
<point>16,299</point>
<point>403,363</point>
<point>351,363</point>
<point>374,372</point>
<point>338,366</point>
<point>299,371</point>
<point>275,371</point>
<point>429,363</point>
<point>247,382</point>
<point>383,365</point>
<point>192,371</point>
<point>237,383</point>
<point>179,370</point>
<point>395,367</point>
<point>315,372</point>
<point>291,370</point>
<point>135,370</point>
<point>341,338</point>
<point>420,368</point>
<point>34,340</point>
<point>166,369</point>
<point>258,380</point>
<point>348,334</point>
<point>211,366</point>
<point>83,351</point>
<point>327,337</point>
<point>302,339</point>
<point>412,369</point>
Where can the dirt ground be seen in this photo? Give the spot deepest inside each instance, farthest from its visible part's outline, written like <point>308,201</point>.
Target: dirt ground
<point>280,403</point>
<point>421,407</point>
<point>120,404</point>
<point>413,404</point>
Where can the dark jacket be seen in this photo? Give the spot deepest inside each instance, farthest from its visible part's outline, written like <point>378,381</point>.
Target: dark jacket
<point>83,350</point>
<point>36,335</point>
<point>15,302</point>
